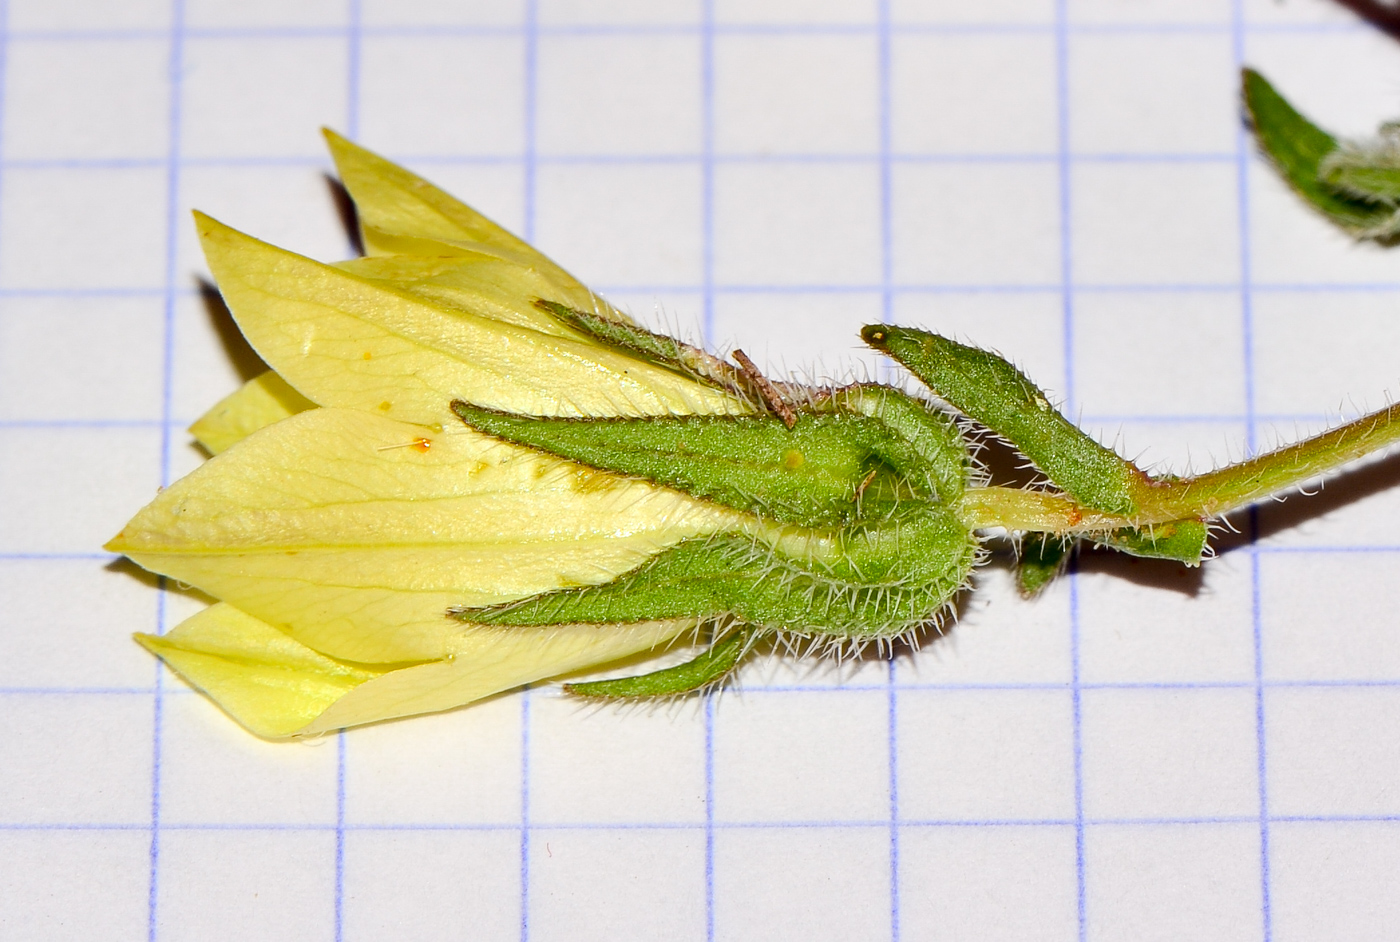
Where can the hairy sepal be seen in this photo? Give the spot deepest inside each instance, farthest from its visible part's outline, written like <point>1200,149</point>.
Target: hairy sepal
<point>876,581</point>
<point>661,349</point>
<point>1366,170</point>
<point>701,672</point>
<point>829,470</point>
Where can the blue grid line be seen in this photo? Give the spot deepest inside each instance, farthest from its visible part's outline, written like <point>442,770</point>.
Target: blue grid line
<point>871,686</point>
<point>853,688</point>
<point>1266,548</point>
<point>1127,287</point>
<point>86,423</point>
<point>76,691</point>
<point>354,42</point>
<point>5,34</point>
<point>853,28</point>
<point>886,114</point>
<point>875,824</point>
<point>107,557</point>
<point>872,288</point>
<point>593,159</point>
<point>1066,234</point>
<point>340,759</point>
<point>1263,547</point>
<point>707,102</point>
<point>1243,147</point>
<point>529,157</point>
<point>169,302</point>
<point>352,130</point>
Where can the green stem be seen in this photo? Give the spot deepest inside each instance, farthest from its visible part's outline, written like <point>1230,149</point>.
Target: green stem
<point>1166,500</point>
<point>1038,511</point>
<point>1238,485</point>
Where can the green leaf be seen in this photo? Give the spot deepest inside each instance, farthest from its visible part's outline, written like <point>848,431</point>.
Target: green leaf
<point>705,670</point>
<point>987,388</point>
<point>1367,170</point>
<point>1298,149</point>
<point>1181,540</point>
<point>1044,555</point>
<point>1043,558</point>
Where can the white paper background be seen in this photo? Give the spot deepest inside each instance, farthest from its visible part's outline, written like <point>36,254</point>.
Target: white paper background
<point>1145,753</point>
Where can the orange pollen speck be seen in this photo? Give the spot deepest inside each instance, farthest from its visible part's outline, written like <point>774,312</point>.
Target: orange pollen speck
<point>421,445</point>
<point>368,355</point>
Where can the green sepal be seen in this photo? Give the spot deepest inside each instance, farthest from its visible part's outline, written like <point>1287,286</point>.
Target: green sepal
<point>655,348</point>
<point>705,670</point>
<point>827,471</point>
<point>1043,558</point>
<point>932,434</point>
<point>990,390</point>
<point>1181,540</point>
<point>1299,149</point>
<point>881,581</point>
<point>1369,171</point>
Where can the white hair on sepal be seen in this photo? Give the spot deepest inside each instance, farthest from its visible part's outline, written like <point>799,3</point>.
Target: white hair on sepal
<point>713,629</point>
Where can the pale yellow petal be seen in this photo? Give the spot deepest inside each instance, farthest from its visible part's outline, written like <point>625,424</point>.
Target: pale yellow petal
<point>560,285</point>
<point>355,533</point>
<point>262,400</point>
<point>490,660</point>
<point>347,341</point>
<point>264,679</point>
<point>400,213</point>
<point>278,688</point>
<point>479,285</point>
<point>391,199</point>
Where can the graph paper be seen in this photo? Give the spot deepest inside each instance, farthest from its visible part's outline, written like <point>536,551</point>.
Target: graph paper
<point>1144,753</point>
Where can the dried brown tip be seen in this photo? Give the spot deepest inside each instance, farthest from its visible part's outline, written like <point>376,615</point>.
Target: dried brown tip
<point>765,388</point>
